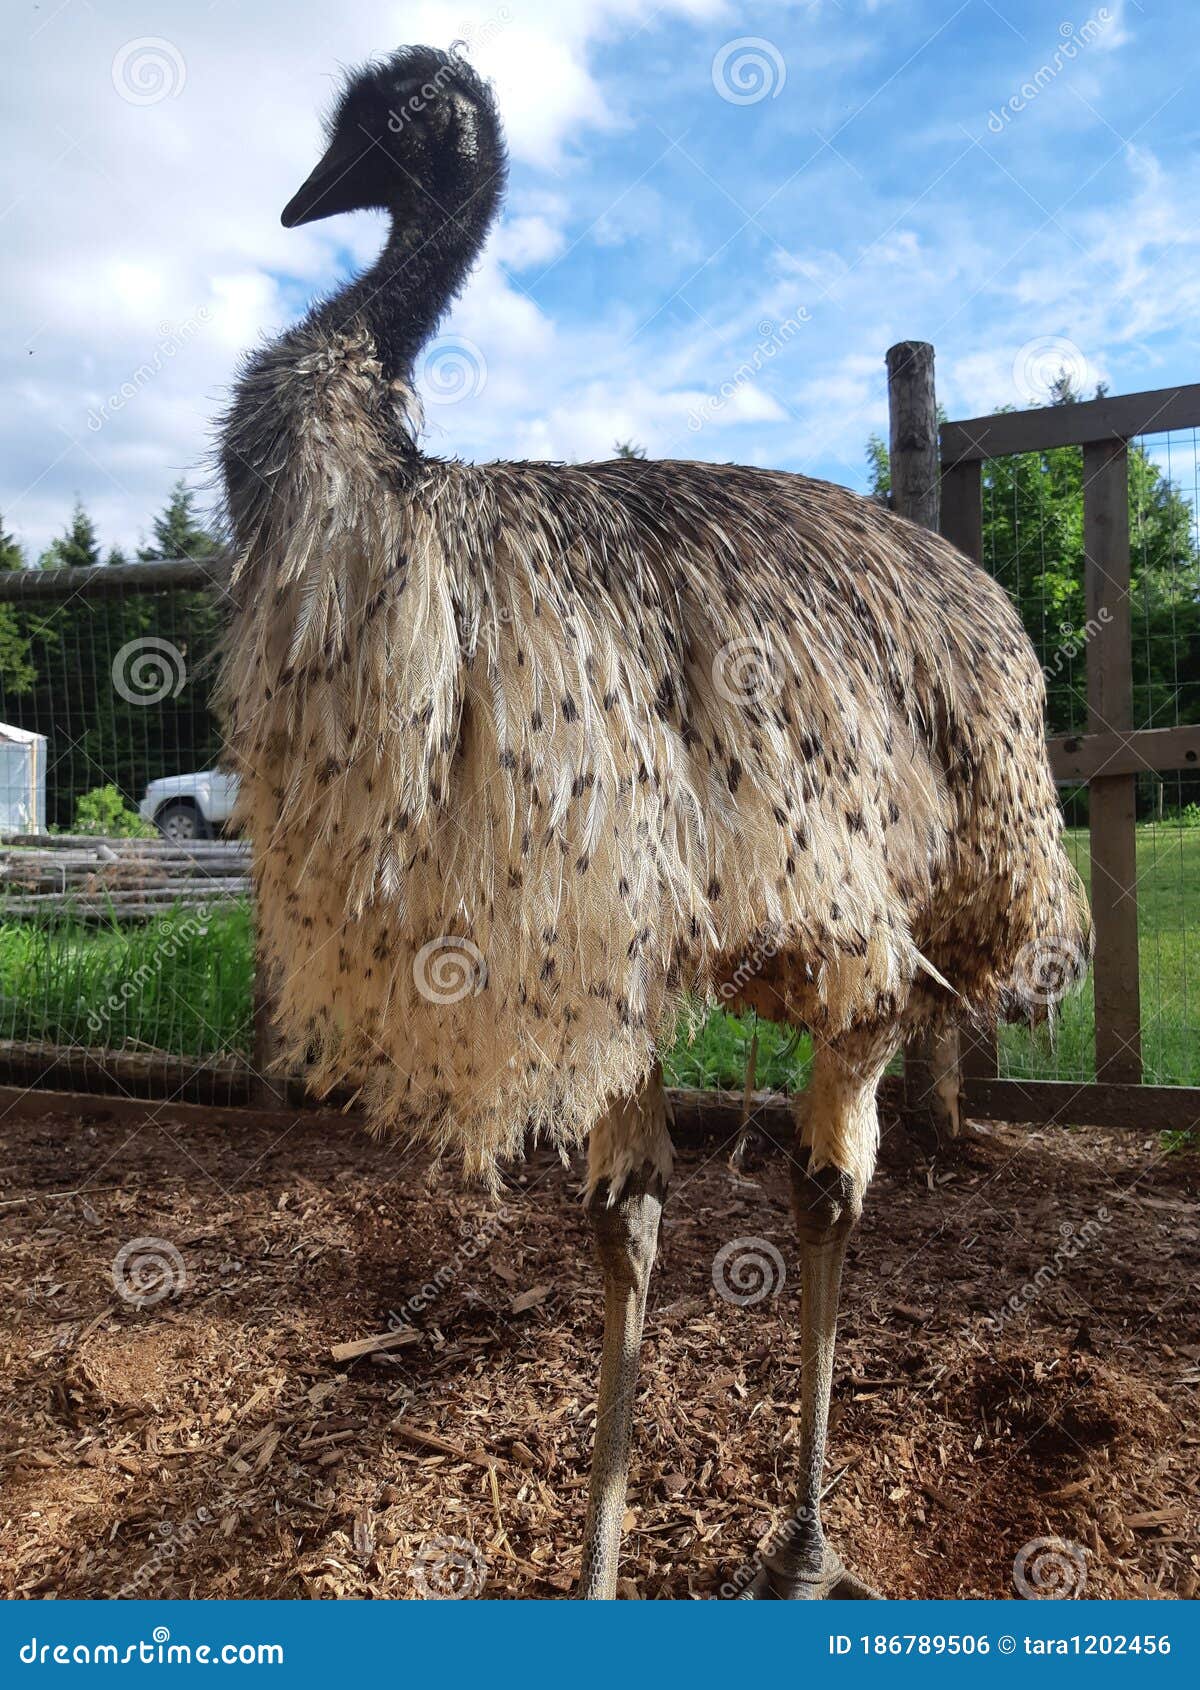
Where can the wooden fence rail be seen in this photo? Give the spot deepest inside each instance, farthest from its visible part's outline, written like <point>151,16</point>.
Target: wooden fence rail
<point>1107,758</point>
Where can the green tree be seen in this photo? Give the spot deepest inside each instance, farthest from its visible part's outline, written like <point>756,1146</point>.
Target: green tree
<point>183,734</point>
<point>119,685</point>
<point>77,547</point>
<point>879,465</point>
<point>1033,545</point>
<point>178,531</point>
<point>16,665</point>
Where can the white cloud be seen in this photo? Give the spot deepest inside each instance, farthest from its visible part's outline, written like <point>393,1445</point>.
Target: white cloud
<point>524,241</point>
<point>131,227</point>
<point>131,219</point>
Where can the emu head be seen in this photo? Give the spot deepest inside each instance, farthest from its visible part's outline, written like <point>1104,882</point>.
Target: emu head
<point>416,134</point>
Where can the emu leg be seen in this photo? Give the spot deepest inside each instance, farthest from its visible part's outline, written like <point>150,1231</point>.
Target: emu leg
<point>839,1135</point>
<point>625,1208</point>
<point>799,1564</point>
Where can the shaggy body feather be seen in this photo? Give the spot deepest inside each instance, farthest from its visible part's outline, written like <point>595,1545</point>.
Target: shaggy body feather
<point>619,727</point>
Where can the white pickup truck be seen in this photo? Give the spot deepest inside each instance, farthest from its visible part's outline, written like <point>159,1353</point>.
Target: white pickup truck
<point>186,807</point>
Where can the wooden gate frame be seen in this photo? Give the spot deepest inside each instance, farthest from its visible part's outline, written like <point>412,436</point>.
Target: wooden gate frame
<point>1107,758</point>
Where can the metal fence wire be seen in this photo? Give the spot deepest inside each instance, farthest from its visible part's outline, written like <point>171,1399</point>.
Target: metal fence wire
<point>126,943</point>
<point>1033,543</point>
<point>126,931</point>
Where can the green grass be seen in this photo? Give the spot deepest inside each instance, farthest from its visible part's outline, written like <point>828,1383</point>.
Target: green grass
<point>1168,893</point>
<point>185,987</point>
<point>180,983</point>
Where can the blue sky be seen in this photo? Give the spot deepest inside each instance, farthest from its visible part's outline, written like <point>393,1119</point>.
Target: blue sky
<point>720,217</point>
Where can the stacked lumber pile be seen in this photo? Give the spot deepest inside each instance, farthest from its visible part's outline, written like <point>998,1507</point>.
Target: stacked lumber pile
<point>93,879</point>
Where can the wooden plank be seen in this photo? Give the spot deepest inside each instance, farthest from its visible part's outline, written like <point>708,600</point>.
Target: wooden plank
<point>114,580</point>
<point>33,1103</point>
<point>375,1345</point>
<point>196,850</point>
<point>700,1118</point>
<point>697,1117</point>
<point>140,1074</point>
<point>1082,757</point>
<point>962,508</point>
<point>1111,797</point>
<point>1115,417</point>
<point>1065,1103</point>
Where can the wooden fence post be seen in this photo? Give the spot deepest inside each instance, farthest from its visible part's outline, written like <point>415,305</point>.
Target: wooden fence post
<point>932,1081</point>
<point>1112,799</point>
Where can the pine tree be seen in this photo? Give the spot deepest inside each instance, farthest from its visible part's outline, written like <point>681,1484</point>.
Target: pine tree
<point>77,547</point>
<point>11,555</point>
<point>180,735</point>
<point>178,531</point>
<point>16,666</point>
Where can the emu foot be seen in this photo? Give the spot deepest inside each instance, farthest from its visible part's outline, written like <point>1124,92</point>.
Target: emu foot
<point>834,1583</point>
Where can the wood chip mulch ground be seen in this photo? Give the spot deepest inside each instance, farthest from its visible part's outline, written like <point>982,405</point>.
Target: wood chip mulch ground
<point>1019,1359</point>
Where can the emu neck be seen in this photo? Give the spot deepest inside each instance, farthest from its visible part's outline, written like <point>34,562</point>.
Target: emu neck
<point>404,294</point>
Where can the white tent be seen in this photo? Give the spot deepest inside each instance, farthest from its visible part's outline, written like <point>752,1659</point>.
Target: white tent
<point>22,781</point>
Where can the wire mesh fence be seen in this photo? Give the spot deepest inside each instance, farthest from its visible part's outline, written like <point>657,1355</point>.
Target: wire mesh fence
<point>126,928</point>
<point>1034,546</point>
<point>126,944</point>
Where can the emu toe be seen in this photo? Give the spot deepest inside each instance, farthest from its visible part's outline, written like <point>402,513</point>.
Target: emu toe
<point>834,1583</point>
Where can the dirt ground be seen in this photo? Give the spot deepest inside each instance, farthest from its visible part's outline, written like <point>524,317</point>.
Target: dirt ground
<point>1019,1359</point>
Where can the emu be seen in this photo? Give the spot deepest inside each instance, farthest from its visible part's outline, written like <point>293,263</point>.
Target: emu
<point>536,756</point>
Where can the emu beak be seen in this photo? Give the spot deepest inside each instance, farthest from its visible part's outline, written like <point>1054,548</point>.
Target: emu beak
<point>330,188</point>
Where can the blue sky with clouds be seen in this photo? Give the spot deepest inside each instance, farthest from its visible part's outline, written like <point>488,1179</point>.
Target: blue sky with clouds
<point>720,217</point>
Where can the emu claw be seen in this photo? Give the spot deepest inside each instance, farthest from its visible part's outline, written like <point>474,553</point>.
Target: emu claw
<point>834,1583</point>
